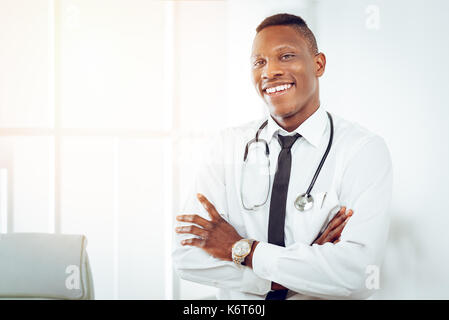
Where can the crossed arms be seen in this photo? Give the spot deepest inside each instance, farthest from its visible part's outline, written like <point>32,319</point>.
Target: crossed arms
<point>334,265</point>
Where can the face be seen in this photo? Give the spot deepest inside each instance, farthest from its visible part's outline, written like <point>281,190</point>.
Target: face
<point>285,72</point>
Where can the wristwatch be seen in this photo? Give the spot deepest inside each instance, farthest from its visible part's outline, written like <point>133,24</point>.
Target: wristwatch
<point>240,250</point>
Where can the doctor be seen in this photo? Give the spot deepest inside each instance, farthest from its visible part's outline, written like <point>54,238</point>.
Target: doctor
<point>252,241</point>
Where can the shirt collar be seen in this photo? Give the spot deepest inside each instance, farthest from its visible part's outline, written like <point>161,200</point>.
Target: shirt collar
<point>312,129</point>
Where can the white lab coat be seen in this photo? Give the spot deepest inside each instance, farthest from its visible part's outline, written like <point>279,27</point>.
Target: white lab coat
<point>357,174</point>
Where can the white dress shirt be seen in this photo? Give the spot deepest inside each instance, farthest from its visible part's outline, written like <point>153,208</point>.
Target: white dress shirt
<point>357,174</point>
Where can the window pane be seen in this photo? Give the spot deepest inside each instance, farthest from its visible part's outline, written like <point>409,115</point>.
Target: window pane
<point>24,63</point>
<point>29,165</point>
<point>144,180</point>
<point>201,64</point>
<point>112,60</point>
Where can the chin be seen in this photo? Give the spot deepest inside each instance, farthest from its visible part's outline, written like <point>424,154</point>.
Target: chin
<point>282,112</point>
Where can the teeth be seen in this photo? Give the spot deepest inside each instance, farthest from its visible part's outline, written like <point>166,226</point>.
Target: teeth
<point>279,88</point>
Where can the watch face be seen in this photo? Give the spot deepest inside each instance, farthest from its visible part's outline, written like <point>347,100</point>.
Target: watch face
<point>241,248</point>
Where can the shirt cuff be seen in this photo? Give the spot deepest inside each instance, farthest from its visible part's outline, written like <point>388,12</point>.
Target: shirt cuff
<point>252,283</point>
<point>265,259</point>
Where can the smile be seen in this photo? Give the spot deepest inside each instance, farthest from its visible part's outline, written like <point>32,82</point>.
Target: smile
<point>278,90</point>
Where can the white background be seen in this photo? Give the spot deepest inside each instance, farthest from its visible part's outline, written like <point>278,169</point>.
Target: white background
<point>104,105</point>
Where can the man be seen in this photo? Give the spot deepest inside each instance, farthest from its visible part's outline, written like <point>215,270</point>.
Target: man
<point>317,253</point>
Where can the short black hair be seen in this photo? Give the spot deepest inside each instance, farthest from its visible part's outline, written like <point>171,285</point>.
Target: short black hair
<point>294,21</point>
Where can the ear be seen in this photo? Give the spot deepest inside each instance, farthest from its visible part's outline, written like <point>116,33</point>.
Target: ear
<point>320,64</point>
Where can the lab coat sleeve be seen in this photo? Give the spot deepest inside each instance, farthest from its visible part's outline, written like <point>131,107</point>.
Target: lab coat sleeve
<point>194,264</point>
<point>341,270</point>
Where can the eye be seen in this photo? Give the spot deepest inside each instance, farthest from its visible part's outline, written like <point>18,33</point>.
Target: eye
<point>258,63</point>
<point>287,56</point>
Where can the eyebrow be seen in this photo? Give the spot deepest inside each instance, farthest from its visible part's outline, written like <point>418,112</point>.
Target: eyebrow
<point>284,47</point>
<point>277,49</point>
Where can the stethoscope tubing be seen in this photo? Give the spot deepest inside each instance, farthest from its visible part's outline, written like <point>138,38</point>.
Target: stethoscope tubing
<point>323,159</point>
<point>267,152</point>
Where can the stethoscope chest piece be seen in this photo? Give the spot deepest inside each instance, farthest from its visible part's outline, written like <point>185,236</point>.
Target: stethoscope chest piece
<point>304,202</point>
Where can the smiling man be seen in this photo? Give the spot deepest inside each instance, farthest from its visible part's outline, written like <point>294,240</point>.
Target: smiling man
<point>248,232</point>
<point>286,67</point>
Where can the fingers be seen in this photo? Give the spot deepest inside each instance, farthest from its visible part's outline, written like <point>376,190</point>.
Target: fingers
<point>335,227</point>
<point>194,242</point>
<point>210,208</point>
<point>349,213</point>
<point>205,225</point>
<point>197,231</point>
<point>196,219</point>
<point>334,235</point>
<point>338,219</point>
<point>192,230</point>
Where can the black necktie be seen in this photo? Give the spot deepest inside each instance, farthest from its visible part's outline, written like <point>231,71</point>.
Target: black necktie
<point>278,202</point>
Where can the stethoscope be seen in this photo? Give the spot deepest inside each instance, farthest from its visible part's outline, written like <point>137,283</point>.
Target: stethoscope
<point>304,201</point>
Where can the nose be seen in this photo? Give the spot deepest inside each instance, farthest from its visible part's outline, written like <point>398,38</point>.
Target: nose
<point>271,70</point>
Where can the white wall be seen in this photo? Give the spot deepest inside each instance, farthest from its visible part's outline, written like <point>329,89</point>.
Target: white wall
<point>393,80</point>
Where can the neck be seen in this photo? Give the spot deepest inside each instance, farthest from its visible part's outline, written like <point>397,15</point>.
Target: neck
<point>292,122</point>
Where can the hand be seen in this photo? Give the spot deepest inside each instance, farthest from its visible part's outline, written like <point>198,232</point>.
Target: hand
<point>334,227</point>
<point>217,235</point>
